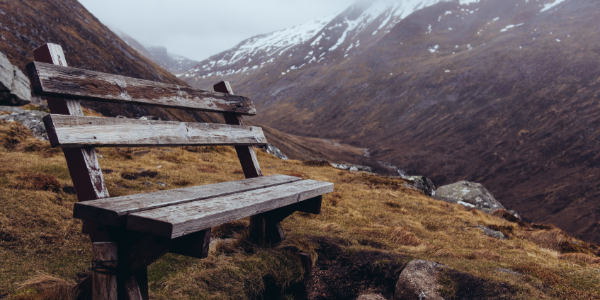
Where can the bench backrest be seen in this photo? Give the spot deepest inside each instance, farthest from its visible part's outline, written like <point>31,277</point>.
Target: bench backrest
<point>79,135</point>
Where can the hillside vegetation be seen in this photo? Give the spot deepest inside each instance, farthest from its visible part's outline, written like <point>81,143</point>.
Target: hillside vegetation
<point>370,221</point>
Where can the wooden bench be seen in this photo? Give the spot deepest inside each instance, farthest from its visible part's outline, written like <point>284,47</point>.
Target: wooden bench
<point>130,232</point>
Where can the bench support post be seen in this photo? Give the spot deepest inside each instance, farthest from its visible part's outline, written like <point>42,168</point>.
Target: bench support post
<point>104,286</point>
<point>263,229</point>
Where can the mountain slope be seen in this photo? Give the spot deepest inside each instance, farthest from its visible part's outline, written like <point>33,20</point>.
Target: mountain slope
<point>500,92</point>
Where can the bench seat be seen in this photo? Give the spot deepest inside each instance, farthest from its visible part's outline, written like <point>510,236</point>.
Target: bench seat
<point>178,212</point>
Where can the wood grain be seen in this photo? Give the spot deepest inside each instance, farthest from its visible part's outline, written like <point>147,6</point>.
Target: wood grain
<point>105,285</point>
<point>113,211</point>
<point>82,163</point>
<point>62,81</point>
<point>76,132</point>
<point>246,154</point>
<point>178,220</point>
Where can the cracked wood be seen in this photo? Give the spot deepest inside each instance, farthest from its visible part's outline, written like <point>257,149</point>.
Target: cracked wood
<point>70,131</point>
<point>113,211</point>
<point>62,81</point>
<point>178,220</point>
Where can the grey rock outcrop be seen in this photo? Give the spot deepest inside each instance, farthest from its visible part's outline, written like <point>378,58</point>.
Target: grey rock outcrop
<point>271,149</point>
<point>15,89</point>
<point>31,119</point>
<point>421,183</point>
<point>469,194</point>
<point>419,280</point>
<point>493,233</point>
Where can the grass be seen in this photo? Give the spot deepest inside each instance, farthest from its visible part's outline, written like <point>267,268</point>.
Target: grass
<point>42,249</point>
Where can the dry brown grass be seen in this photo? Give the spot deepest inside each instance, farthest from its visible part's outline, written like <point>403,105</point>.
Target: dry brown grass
<point>581,258</point>
<point>46,287</point>
<point>38,233</point>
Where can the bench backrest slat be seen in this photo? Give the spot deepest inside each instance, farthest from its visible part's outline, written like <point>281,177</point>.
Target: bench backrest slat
<point>62,81</point>
<point>71,132</point>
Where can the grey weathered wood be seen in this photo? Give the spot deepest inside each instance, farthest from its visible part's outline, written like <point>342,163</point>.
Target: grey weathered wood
<point>251,168</point>
<point>105,285</point>
<point>113,211</point>
<point>246,154</point>
<point>178,220</point>
<point>83,163</point>
<point>51,80</point>
<point>76,132</point>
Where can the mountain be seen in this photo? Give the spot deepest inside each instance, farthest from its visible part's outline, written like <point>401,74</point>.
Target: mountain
<point>87,43</point>
<point>502,92</point>
<point>176,64</point>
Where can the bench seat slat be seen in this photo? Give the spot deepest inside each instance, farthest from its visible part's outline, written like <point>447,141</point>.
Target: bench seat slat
<point>178,220</point>
<point>71,131</point>
<point>113,211</point>
<point>59,81</point>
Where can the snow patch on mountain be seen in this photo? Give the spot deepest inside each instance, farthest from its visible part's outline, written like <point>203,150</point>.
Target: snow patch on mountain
<point>318,41</point>
<point>551,5</point>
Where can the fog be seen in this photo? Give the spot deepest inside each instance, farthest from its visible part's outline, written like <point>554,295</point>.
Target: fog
<point>199,29</point>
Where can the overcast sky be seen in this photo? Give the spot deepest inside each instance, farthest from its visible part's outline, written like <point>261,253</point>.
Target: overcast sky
<point>198,29</point>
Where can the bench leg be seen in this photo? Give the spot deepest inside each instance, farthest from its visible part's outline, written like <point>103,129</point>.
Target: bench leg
<point>104,278</point>
<point>264,230</point>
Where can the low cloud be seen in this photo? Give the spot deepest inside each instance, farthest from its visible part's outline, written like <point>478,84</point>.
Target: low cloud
<point>199,29</point>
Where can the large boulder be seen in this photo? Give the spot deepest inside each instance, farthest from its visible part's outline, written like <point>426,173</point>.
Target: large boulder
<point>469,194</point>
<point>419,280</point>
<point>15,89</point>
<point>421,183</point>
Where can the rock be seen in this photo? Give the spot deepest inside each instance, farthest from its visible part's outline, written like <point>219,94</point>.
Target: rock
<point>352,168</point>
<point>14,85</point>
<point>469,194</point>
<point>419,280</point>
<point>31,119</point>
<point>493,233</point>
<point>421,183</point>
<point>371,297</point>
<point>161,183</point>
<point>271,149</point>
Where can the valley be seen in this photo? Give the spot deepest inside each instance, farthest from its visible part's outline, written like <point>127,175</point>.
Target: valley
<point>499,92</point>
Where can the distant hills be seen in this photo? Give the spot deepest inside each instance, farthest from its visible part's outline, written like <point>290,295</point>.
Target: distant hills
<point>173,63</point>
<point>502,92</point>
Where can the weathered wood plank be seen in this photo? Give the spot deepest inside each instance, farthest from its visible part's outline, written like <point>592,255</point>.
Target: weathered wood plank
<point>113,211</point>
<point>76,132</point>
<point>59,81</point>
<point>105,274</point>
<point>178,220</point>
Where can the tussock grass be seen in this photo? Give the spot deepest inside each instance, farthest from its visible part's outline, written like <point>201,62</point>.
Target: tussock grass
<point>366,212</point>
